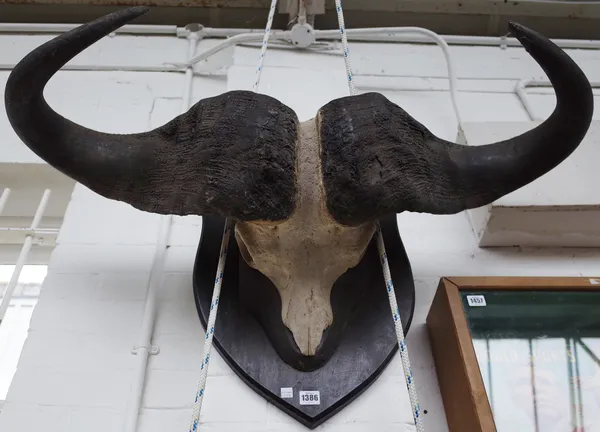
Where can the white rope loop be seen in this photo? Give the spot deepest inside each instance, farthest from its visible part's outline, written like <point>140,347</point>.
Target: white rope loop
<point>214,305</point>
<point>210,329</point>
<point>410,382</point>
<point>408,375</point>
<point>340,16</point>
<point>265,42</point>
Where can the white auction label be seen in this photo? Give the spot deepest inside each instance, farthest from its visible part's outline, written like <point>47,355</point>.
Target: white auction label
<point>310,397</point>
<point>287,393</point>
<point>476,300</point>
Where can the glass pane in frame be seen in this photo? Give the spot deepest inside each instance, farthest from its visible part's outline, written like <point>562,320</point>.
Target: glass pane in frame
<point>539,357</point>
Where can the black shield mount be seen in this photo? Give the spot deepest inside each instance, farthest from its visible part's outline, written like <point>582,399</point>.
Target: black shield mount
<point>249,319</point>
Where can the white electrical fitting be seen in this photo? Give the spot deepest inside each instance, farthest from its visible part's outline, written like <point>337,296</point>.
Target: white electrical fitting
<point>302,35</point>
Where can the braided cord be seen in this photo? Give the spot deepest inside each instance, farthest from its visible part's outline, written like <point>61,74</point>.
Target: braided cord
<point>340,16</point>
<point>408,375</point>
<point>214,305</point>
<point>210,329</point>
<point>265,42</point>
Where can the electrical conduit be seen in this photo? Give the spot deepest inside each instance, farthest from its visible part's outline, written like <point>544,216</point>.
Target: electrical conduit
<point>388,34</point>
<point>144,348</point>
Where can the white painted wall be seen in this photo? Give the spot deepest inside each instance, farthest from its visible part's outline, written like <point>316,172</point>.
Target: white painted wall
<point>76,368</point>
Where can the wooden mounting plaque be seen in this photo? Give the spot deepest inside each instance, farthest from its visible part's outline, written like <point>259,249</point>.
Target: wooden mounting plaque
<point>250,311</point>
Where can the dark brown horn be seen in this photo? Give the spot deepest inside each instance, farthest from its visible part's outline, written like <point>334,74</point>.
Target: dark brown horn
<point>231,155</point>
<point>377,159</point>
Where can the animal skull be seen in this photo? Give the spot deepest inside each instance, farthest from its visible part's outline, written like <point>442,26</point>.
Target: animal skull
<point>296,253</point>
<point>305,197</point>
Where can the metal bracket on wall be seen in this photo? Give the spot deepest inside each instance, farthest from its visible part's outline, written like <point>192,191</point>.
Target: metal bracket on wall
<point>153,350</point>
<point>298,9</point>
<point>313,7</point>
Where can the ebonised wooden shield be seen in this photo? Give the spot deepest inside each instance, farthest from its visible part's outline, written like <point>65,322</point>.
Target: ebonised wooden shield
<point>367,343</point>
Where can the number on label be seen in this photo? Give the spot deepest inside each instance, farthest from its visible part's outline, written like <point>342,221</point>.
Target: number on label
<point>476,300</point>
<point>310,397</point>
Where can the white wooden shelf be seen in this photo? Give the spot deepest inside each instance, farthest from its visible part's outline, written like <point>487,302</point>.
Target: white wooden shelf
<point>561,208</point>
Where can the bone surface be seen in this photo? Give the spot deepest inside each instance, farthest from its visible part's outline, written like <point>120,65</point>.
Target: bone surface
<point>304,255</point>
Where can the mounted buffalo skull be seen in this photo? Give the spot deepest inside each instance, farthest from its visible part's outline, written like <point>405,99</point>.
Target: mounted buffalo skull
<point>305,196</point>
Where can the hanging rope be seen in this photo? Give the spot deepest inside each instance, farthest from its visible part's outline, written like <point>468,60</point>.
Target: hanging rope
<point>408,375</point>
<point>263,49</point>
<point>214,305</point>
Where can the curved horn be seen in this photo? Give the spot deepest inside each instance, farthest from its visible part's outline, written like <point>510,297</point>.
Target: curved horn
<point>231,155</point>
<point>385,161</point>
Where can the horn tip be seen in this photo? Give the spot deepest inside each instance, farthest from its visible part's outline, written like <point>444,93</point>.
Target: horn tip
<point>520,31</point>
<point>530,39</point>
<point>514,27</point>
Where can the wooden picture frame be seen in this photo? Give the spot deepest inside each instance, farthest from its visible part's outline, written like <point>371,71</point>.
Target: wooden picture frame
<point>460,380</point>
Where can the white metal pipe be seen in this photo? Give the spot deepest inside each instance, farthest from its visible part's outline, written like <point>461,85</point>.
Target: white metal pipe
<point>384,34</point>
<point>374,34</point>
<point>37,218</point>
<point>30,231</point>
<point>212,32</point>
<point>521,91</point>
<point>232,41</point>
<point>390,34</point>
<point>106,68</point>
<point>189,74</point>
<point>144,348</point>
<point>10,289</point>
<point>3,199</point>
<point>63,28</point>
<point>166,67</point>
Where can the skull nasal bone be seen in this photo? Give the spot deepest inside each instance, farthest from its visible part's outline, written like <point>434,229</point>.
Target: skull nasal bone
<point>307,313</point>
